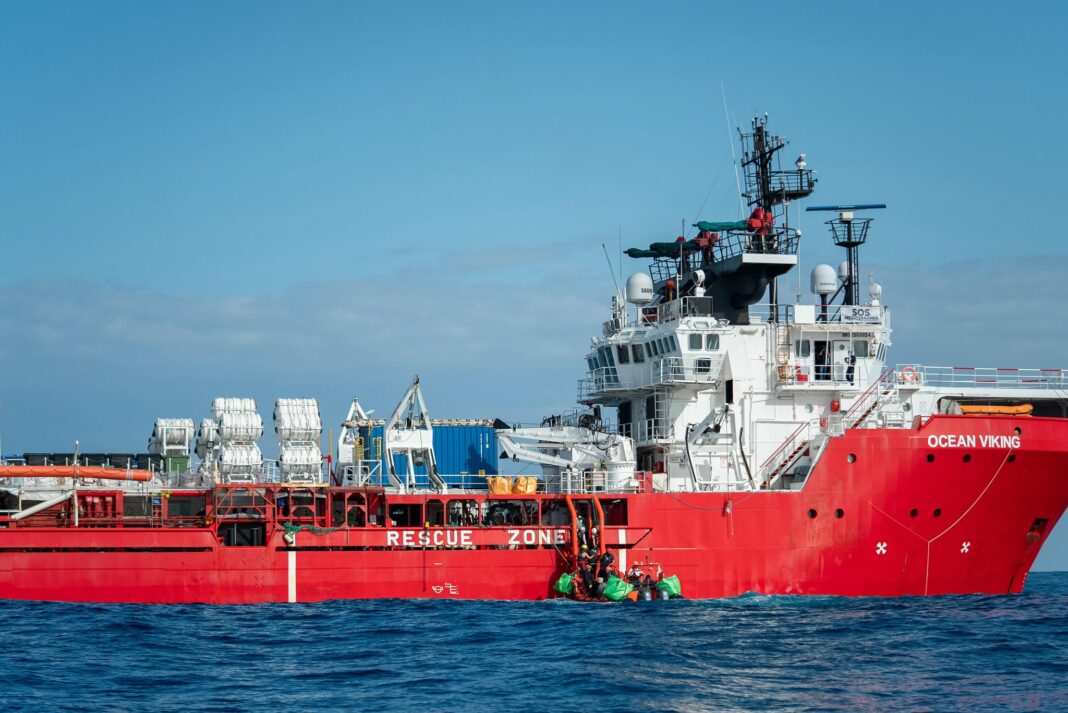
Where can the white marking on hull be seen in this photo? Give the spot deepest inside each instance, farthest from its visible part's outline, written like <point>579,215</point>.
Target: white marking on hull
<point>292,576</point>
<point>622,551</point>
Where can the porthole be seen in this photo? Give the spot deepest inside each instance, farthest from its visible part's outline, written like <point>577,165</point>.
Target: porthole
<point>938,512</point>
<point>839,513</point>
<point>812,514</point>
<point>930,457</point>
<point>852,457</point>
<point>1012,458</point>
<point>913,512</point>
<point>1018,430</point>
<point>967,457</point>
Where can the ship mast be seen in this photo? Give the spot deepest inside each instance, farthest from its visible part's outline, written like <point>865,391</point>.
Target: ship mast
<point>768,190</point>
<point>849,232</point>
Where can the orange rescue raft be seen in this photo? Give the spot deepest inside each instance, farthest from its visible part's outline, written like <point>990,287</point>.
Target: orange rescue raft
<point>73,471</point>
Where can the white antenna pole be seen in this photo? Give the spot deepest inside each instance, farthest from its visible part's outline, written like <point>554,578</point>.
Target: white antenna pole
<point>611,272</point>
<point>799,293</point>
<point>734,158</point>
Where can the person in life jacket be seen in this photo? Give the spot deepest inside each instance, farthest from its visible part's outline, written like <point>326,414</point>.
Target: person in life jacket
<point>605,569</point>
<point>585,567</point>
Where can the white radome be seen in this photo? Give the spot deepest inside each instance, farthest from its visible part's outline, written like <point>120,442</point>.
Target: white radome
<point>639,289</point>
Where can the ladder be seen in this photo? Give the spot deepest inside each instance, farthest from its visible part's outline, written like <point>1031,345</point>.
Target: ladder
<point>661,423</point>
<point>782,345</point>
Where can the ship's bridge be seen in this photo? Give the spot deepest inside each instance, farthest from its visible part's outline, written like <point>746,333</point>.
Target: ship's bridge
<point>674,343</point>
<point>680,343</point>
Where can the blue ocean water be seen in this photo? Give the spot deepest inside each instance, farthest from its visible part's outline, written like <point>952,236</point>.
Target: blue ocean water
<point>749,653</point>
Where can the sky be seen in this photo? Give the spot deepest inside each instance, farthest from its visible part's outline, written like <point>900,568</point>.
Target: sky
<point>322,199</point>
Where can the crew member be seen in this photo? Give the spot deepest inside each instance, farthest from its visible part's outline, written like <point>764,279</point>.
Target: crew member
<point>606,570</point>
<point>851,361</point>
<point>585,567</point>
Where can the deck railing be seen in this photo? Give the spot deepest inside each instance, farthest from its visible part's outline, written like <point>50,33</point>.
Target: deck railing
<point>980,377</point>
<point>669,370</point>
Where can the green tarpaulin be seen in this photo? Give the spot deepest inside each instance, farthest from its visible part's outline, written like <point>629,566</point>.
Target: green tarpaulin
<point>720,227</point>
<point>671,585</point>
<point>616,589</point>
<point>566,584</point>
<point>664,249</point>
<point>672,249</point>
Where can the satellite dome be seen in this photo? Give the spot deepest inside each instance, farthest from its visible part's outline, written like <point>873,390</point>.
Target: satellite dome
<point>824,281</point>
<point>639,289</point>
<point>843,271</point>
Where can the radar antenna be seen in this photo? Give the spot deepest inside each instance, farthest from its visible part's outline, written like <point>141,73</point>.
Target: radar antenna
<point>849,232</point>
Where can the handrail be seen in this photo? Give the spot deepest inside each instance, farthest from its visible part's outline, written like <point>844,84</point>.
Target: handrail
<point>785,444</point>
<point>861,405</point>
<point>574,525</point>
<point>981,377</point>
<point>601,547</point>
<point>691,369</point>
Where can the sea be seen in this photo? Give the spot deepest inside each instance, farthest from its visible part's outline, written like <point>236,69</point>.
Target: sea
<point>751,653</point>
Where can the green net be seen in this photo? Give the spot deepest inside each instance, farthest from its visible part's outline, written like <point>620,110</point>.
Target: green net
<point>671,585</point>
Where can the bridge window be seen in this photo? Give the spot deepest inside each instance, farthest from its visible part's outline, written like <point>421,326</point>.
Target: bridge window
<point>671,342</point>
<point>695,342</point>
<point>637,353</point>
<point>655,347</point>
<point>802,348</point>
<point>711,342</point>
<point>622,354</point>
<point>702,366</point>
<point>860,348</point>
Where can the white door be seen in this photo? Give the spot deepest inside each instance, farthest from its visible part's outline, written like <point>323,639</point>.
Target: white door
<point>840,352</point>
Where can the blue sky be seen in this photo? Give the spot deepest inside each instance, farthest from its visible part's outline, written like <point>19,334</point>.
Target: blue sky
<point>283,199</point>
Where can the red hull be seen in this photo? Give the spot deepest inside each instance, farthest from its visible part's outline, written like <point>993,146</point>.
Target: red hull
<point>876,517</point>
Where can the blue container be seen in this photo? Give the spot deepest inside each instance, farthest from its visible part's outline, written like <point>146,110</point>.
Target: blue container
<point>458,448</point>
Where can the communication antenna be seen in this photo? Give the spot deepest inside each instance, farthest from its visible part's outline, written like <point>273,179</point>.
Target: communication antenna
<point>849,232</point>
<point>734,157</point>
<point>611,272</point>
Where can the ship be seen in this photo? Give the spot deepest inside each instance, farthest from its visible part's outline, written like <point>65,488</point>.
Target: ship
<point>724,441</point>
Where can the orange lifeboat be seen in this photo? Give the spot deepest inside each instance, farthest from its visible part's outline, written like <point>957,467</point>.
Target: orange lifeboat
<point>996,410</point>
<point>73,471</point>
